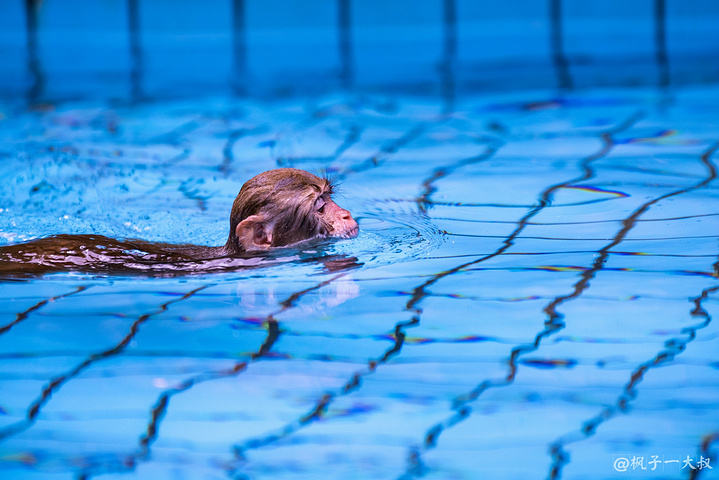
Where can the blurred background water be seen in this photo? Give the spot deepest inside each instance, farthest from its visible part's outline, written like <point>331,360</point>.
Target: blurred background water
<point>533,292</point>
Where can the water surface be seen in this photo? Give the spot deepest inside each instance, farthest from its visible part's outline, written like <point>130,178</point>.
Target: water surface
<point>532,294</point>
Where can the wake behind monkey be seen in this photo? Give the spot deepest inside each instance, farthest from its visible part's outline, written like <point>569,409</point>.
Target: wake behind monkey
<point>277,208</point>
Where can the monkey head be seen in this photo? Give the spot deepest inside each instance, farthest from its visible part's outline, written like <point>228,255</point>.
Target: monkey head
<point>285,206</point>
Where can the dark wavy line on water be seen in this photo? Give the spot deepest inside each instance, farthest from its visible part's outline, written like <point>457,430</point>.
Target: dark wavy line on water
<point>553,324</point>
<point>505,205</point>
<point>22,316</point>
<point>594,222</point>
<point>705,451</point>
<point>650,171</point>
<point>584,239</point>
<point>428,187</point>
<point>320,407</point>
<point>160,407</point>
<point>386,150</point>
<point>574,269</point>
<point>672,347</point>
<point>576,252</point>
<point>416,342</point>
<point>545,200</point>
<point>352,137</point>
<point>56,383</point>
<point>415,465</point>
<point>228,157</point>
<point>173,136</point>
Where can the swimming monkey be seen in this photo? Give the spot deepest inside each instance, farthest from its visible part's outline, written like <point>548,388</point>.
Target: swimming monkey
<point>277,208</point>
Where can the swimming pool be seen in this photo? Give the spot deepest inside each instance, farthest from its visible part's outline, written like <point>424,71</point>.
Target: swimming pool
<point>533,293</point>
<point>537,281</point>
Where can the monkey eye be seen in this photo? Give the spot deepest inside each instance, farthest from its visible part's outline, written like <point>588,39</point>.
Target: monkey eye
<point>320,205</point>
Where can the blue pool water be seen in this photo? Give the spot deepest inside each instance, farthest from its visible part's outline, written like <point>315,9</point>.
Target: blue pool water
<point>534,292</point>
<point>537,296</point>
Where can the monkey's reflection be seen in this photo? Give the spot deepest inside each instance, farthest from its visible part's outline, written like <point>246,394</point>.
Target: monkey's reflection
<point>259,300</point>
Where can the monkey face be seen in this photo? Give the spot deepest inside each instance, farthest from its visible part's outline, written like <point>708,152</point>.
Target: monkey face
<point>285,206</point>
<point>336,221</point>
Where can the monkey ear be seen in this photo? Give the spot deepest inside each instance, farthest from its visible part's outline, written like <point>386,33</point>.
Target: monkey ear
<point>254,234</point>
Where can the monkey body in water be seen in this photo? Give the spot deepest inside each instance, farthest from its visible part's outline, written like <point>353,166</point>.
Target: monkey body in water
<point>277,208</point>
